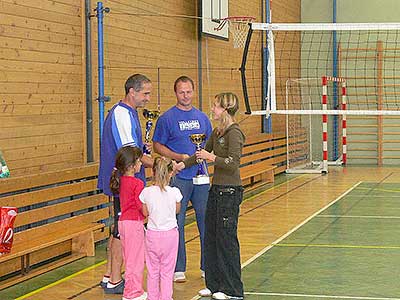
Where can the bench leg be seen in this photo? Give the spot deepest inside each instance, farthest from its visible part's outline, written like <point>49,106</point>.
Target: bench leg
<point>27,263</point>
<point>23,266</point>
<point>84,244</point>
<point>268,176</point>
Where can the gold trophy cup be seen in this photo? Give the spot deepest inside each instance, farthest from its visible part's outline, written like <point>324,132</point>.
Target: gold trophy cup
<point>202,171</point>
<point>150,116</point>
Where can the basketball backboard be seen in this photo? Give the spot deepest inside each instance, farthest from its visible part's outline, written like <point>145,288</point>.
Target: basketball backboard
<point>212,12</point>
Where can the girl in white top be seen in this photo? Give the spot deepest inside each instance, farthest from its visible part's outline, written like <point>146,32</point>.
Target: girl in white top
<point>161,203</point>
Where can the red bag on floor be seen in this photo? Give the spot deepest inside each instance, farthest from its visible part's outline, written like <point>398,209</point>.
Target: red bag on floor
<point>7,218</point>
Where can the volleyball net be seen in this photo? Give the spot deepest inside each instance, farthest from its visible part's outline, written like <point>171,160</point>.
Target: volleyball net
<point>296,57</point>
<point>366,55</point>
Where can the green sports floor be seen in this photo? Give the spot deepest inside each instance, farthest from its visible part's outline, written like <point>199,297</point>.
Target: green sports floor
<point>349,250</point>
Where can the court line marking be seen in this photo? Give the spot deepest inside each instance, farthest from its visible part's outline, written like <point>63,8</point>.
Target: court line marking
<point>321,296</point>
<point>242,213</point>
<point>338,246</point>
<point>358,216</point>
<point>250,260</point>
<point>375,196</point>
<point>379,189</point>
<point>105,261</point>
<point>325,246</point>
<point>258,194</point>
<point>61,280</point>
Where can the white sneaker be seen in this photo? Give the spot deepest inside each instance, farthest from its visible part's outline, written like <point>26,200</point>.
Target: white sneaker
<point>220,296</point>
<point>179,277</point>
<point>205,293</point>
<point>203,274</point>
<point>141,297</point>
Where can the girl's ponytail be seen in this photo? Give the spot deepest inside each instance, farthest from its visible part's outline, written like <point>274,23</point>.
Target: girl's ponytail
<point>162,168</point>
<point>126,157</point>
<point>114,181</point>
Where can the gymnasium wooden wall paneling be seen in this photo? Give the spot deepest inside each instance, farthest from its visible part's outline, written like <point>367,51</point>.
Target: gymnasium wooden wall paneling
<point>142,44</point>
<point>41,85</point>
<point>42,73</point>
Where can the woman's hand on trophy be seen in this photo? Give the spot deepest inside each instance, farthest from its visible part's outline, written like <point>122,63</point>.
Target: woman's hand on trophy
<point>203,154</point>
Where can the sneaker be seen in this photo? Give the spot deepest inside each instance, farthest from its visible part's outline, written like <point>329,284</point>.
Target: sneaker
<point>205,293</point>
<point>118,289</point>
<point>222,296</point>
<point>179,277</point>
<point>203,274</point>
<point>141,297</point>
<point>103,282</point>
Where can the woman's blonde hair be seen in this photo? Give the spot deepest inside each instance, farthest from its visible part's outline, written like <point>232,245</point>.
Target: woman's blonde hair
<point>162,167</point>
<point>230,103</point>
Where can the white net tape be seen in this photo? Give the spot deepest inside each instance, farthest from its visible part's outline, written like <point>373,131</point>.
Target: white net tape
<point>367,55</point>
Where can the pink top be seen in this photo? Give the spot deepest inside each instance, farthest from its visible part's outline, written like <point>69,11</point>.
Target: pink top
<point>131,206</point>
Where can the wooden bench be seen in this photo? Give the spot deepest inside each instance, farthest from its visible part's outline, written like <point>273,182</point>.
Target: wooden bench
<point>263,157</point>
<point>61,216</point>
<point>263,169</point>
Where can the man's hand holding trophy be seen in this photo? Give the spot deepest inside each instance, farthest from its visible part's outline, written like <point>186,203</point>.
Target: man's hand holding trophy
<point>150,116</point>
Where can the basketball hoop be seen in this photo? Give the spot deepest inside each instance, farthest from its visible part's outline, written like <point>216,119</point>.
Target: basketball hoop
<point>238,26</point>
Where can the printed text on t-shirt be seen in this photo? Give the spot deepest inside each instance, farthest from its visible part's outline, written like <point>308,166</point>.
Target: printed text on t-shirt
<point>189,125</point>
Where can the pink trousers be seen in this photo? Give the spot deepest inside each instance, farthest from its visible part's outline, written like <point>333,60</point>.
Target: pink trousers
<point>161,254</point>
<point>132,240</point>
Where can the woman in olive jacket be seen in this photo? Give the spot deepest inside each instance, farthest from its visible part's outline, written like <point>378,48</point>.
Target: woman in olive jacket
<point>222,252</point>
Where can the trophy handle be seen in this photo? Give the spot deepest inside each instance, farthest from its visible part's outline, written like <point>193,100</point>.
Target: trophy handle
<point>150,115</point>
<point>149,125</point>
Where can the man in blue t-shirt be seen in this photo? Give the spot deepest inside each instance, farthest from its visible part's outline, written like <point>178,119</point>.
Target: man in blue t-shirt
<point>121,128</point>
<point>172,139</point>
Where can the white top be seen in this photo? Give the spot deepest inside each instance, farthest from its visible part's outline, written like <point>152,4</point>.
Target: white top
<point>161,206</point>
<point>123,123</point>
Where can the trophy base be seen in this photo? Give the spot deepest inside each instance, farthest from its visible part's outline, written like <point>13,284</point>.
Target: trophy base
<point>198,180</point>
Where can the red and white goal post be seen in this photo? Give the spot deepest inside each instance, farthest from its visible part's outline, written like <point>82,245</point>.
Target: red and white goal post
<point>307,133</point>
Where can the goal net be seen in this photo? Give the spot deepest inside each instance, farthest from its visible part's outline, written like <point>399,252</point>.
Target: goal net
<point>307,133</point>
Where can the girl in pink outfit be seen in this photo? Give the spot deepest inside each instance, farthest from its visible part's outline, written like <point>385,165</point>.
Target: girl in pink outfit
<point>161,203</point>
<point>124,183</point>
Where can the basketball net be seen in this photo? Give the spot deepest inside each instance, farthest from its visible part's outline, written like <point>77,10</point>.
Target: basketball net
<point>238,26</point>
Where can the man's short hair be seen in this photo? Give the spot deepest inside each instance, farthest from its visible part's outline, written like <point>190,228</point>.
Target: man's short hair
<point>136,82</point>
<point>183,79</point>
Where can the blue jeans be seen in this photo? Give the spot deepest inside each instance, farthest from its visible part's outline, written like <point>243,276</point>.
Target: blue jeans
<point>198,195</point>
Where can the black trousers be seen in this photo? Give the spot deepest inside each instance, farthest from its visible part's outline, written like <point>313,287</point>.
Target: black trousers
<point>222,252</point>
<point>117,212</point>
